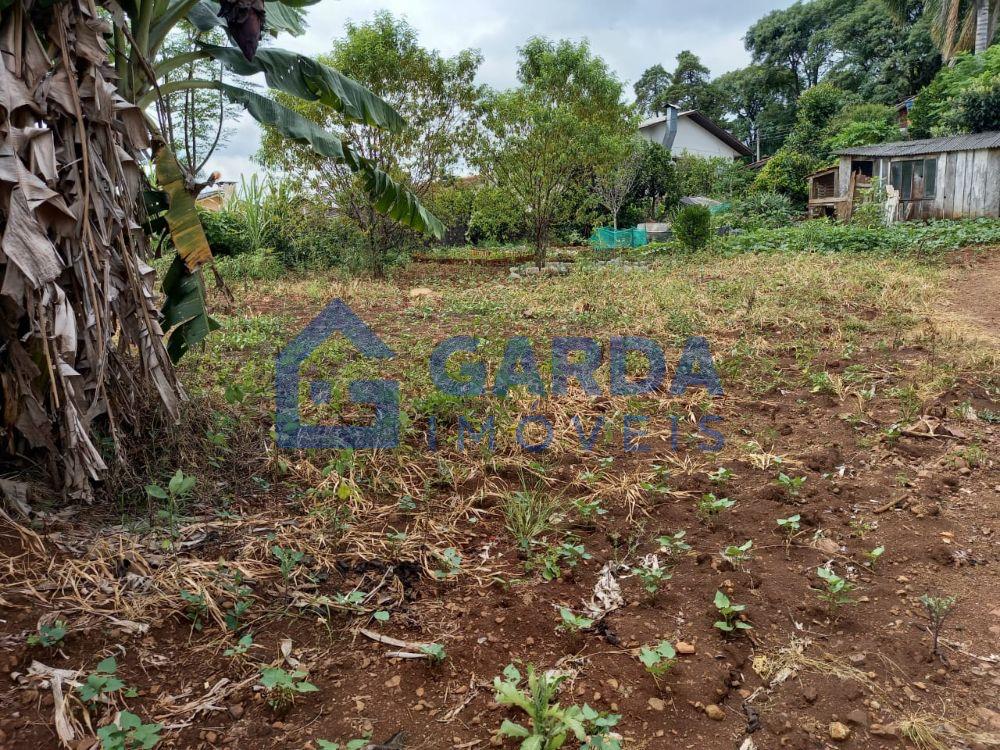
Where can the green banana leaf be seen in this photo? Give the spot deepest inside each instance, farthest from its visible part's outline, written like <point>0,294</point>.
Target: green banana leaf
<point>182,217</point>
<point>204,16</point>
<point>185,315</point>
<point>388,196</point>
<point>307,79</point>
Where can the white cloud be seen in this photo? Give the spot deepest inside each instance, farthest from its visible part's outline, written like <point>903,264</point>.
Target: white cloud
<point>630,35</point>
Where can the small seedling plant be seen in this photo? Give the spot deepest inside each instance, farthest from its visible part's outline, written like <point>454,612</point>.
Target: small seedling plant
<point>721,475</point>
<point>710,506</point>
<point>283,687</point>
<point>861,527</point>
<point>358,744</point>
<point>288,561</point>
<point>738,555</point>
<point>49,636</point>
<point>435,652</point>
<point>658,660</point>
<point>101,685</point>
<point>129,733</point>
<point>874,556</point>
<point>197,607</point>
<point>589,510</point>
<point>789,527</point>
<point>791,485</point>
<point>573,623</point>
<point>732,615</point>
<point>175,495</point>
<point>673,545</point>
<point>937,608</point>
<point>651,575</point>
<point>240,649</point>
<point>836,591</point>
<point>549,724</point>
<point>567,554</point>
<point>452,564</point>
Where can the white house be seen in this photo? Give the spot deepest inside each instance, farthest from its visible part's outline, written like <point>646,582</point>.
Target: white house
<point>690,132</point>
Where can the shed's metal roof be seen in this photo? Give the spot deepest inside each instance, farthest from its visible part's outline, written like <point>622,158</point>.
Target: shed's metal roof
<point>927,145</point>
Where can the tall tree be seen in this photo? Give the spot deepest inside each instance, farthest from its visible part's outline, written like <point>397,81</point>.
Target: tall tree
<point>795,39</point>
<point>651,90</point>
<point>882,58</point>
<point>957,25</point>
<point>199,120</point>
<point>691,88</point>
<point>437,95</point>
<point>746,93</point>
<point>549,133</point>
<point>616,176</point>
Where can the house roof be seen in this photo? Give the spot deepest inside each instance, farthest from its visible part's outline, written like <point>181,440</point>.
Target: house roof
<point>966,142</point>
<point>823,171</point>
<point>705,123</point>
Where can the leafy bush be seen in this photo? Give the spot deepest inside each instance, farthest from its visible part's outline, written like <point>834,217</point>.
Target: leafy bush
<point>786,173</point>
<point>823,236</point>
<point>225,233</point>
<point>496,217</point>
<point>453,202</point>
<point>260,266</point>
<point>718,177</point>
<point>979,108</point>
<point>938,109</point>
<point>693,226</point>
<point>761,209</point>
<point>862,134</point>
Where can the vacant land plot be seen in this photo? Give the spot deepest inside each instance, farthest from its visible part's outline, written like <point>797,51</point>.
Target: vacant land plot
<point>277,599</point>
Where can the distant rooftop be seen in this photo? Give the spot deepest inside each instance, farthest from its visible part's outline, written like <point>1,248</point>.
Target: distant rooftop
<point>966,142</point>
<point>719,132</point>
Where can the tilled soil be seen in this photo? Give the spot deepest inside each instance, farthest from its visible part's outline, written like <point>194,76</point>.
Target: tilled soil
<point>806,676</point>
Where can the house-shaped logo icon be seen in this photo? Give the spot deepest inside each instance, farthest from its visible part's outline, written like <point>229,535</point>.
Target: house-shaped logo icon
<point>336,317</point>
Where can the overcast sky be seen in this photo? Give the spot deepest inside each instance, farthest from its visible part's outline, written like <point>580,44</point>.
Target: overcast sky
<point>630,35</point>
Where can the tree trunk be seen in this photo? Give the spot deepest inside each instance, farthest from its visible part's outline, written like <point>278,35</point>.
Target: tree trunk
<point>982,25</point>
<point>614,221</point>
<point>539,245</point>
<point>81,345</point>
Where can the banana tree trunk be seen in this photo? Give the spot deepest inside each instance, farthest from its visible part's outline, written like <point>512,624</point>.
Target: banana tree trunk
<point>81,346</point>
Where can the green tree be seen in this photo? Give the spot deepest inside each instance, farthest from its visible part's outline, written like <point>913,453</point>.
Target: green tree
<point>656,186</point>
<point>958,98</point>
<point>786,173</point>
<point>541,139</point>
<point>956,25</point>
<point>199,120</point>
<point>437,95</point>
<point>651,90</point>
<point>815,110</point>
<point>880,57</point>
<point>747,93</point>
<point>691,88</point>
<point>795,39</point>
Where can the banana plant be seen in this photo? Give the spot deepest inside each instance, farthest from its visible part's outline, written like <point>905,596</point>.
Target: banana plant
<point>140,29</point>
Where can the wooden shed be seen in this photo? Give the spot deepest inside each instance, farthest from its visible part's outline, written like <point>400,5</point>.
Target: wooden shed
<point>935,178</point>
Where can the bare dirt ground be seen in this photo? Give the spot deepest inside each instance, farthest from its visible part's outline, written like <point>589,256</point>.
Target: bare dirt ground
<point>976,291</point>
<point>834,372</point>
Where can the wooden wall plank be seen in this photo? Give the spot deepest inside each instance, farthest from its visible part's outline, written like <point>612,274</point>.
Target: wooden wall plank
<point>948,181</point>
<point>991,200</point>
